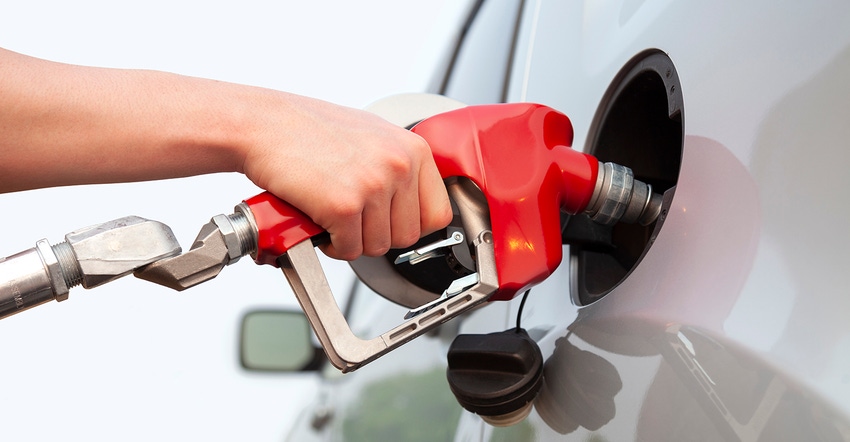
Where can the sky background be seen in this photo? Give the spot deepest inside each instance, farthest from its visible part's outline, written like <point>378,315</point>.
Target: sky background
<point>135,361</point>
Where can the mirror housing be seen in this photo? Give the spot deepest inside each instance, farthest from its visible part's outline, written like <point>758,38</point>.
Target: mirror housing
<point>278,341</point>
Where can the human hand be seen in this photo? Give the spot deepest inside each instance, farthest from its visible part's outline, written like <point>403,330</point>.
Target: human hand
<point>372,185</point>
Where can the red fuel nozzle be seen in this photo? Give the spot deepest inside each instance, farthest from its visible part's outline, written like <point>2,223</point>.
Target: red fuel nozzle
<point>519,158</point>
<point>519,155</point>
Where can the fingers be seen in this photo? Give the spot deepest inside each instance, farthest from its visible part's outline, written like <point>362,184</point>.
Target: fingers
<point>345,235</point>
<point>368,233</point>
<point>396,213</point>
<point>404,217</point>
<point>370,184</point>
<point>377,227</point>
<point>435,208</point>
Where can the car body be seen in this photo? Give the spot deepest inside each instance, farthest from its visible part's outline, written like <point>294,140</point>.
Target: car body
<point>727,319</point>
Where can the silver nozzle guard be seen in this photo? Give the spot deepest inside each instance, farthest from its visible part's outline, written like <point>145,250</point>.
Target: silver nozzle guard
<point>619,197</point>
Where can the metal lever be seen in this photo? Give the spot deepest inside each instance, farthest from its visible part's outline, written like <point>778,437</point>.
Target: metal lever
<point>430,251</point>
<point>457,287</point>
<point>346,351</point>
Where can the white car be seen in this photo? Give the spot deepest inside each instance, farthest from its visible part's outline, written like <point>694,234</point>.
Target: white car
<point>726,319</point>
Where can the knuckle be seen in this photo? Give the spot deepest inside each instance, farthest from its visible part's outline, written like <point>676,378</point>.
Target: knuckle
<point>375,184</point>
<point>377,250</point>
<point>406,239</point>
<point>400,166</point>
<point>437,218</point>
<point>344,249</point>
<point>348,255</point>
<point>347,207</point>
<point>444,214</point>
<point>377,242</point>
<point>419,143</point>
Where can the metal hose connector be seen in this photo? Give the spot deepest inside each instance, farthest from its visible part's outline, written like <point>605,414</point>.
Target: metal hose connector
<point>71,272</point>
<point>619,197</point>
<point>245,231</point>
<point>89,257</point>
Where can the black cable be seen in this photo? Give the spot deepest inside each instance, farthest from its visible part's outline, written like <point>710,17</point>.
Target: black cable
<point>521,306</point>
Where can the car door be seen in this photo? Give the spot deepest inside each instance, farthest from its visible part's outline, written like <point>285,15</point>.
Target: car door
<point>718,330</point>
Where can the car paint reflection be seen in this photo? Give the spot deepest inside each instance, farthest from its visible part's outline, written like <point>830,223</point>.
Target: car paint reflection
<point>668,318</point>
<point>578,389</point>
<point>722,391</point>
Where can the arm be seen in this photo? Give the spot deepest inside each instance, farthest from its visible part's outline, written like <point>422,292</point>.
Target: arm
<point>64,124</point>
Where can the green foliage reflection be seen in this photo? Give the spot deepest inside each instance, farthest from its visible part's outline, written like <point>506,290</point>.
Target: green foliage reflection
<point>409,407</point>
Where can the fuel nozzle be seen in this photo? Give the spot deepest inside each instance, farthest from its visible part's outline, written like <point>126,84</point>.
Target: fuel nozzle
<point>619,197</point>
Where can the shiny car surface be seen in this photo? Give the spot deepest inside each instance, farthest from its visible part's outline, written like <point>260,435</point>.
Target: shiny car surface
<point>727,319</point>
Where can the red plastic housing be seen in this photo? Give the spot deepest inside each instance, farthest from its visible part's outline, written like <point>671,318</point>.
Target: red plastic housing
<point>279,227</point>
<point>519,155</point>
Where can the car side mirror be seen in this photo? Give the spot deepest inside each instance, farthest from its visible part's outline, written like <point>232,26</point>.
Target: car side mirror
<point>278,341</point>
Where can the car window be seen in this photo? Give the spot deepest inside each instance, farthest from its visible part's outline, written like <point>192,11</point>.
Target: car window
<point>479,71</point>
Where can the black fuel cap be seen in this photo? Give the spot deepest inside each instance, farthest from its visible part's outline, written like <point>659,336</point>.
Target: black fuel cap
<point>496,375</point>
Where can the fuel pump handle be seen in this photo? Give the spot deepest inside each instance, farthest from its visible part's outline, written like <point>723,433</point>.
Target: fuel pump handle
<point>279,227</point>
<point>520,156</point>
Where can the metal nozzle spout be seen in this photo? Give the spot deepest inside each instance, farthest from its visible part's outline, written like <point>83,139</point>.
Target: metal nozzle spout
<point>619,197</point>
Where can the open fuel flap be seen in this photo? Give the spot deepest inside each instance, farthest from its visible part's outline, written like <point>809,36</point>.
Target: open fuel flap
<point>639,124</point>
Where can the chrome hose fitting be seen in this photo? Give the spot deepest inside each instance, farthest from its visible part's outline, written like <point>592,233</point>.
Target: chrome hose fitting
<point>89,257</point>
<point>619,197</point>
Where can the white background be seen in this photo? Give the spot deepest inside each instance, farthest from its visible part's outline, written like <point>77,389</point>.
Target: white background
<point>134,361</point>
